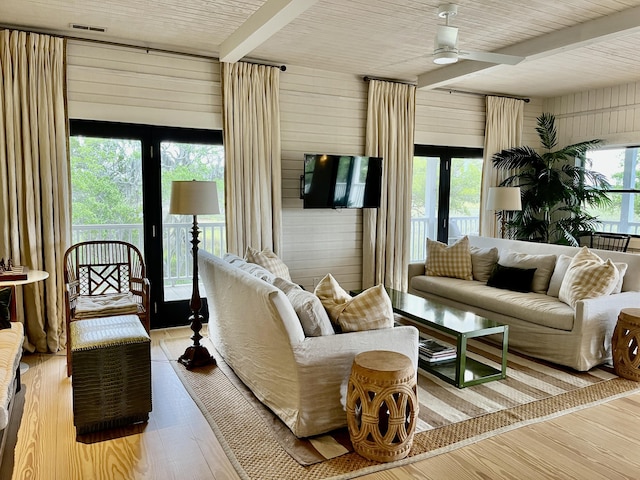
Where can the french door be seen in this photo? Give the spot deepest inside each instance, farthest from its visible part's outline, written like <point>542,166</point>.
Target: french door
<point>121,184</point>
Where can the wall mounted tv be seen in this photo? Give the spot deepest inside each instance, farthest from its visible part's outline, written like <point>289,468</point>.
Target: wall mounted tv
<point>341,181</point>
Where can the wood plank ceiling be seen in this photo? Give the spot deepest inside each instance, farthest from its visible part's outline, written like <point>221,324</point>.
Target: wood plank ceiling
<point>381,38</point>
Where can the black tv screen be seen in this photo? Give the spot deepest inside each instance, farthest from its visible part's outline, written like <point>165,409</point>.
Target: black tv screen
<point>341,181</point>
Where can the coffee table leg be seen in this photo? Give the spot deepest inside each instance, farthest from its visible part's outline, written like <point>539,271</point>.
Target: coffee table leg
<point>461,360</point>
<point>505,350</point>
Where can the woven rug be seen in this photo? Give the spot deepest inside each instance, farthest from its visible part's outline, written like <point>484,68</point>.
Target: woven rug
<point>261,447</point>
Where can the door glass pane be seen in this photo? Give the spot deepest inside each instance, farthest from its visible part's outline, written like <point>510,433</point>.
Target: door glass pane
<point>186,161</point>
<point>424,204</point>
<point>464,198</point>
<point>106,189</point>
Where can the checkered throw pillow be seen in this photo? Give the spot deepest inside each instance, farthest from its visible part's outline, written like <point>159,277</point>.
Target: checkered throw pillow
<point>449,261</point>
<point>269,260</point>
<point>588,276</point>
<point>369,310</point>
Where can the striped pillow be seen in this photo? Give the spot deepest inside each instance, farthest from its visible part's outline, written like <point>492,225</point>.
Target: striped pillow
<point>588,276</point>
<point>369,310</point>
<point>449,261</point>
<point>269,260</point>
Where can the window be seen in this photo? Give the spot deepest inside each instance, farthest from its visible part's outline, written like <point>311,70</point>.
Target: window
<point>620,166</point>
<point>445,197</point>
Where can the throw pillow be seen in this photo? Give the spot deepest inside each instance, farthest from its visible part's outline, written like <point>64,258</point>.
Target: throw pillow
<point>233,259</point>
<point>449,260</point>
<point>511,278</point>
<point>256,270</point>
<point>333,297</point>
<point>588,276</point>
<point>622,269</point>
<point>313,317</point>
<point>268,260</point>
<point>562,263</point>
<point>369,310</point>
<point>544,265</point>
<point>5,313</point>
<point>482,262</point>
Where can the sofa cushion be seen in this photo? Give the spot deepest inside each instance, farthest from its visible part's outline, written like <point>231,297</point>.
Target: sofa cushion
<point>268,260</point>
<point>5,301</point>
<point>511,278</point>
<point>313,317</point>
<point>588,276</point>
<point>449,260</point>
<point>368,310</point>
<point>482,262</point>
<point>544,265</point>
<point>94,306</point>
<point>531,307</point>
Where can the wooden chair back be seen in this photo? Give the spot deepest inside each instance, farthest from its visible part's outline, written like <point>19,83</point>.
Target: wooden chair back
<point>618,242</point>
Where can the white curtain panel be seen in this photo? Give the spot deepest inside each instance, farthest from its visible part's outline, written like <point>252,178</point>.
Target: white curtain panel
<point>34,178</point>
<point>386,230</point>
<point>504,124</point>
<point>251,129</point>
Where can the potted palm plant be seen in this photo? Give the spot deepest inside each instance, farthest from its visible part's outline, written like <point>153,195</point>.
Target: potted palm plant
<point>555,188</point>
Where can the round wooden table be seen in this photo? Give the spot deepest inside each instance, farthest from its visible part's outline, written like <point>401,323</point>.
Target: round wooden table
<point>382,405</point>
<point>625,344</point>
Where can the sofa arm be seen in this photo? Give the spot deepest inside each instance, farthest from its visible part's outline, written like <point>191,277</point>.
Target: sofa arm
<point>603,310</point>
<point>415,269</point>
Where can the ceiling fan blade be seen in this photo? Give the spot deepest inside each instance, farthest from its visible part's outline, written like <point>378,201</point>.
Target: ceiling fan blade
<point>489,57</point>
<point>446,37</point>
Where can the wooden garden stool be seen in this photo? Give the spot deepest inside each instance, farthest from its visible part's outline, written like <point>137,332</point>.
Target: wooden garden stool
<point>626,344</point>
<point>382,405</point>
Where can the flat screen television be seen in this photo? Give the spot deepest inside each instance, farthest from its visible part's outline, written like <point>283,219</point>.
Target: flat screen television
<point>341,181</point>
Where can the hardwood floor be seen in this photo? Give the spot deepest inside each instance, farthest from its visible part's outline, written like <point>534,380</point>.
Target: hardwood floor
<point>596,443</point>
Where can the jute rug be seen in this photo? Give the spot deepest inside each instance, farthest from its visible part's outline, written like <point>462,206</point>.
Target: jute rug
<point>261,447</point>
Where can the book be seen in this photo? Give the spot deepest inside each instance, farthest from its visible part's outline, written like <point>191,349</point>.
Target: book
<point>17,272</point>
<point>432,348</point>
<point>438,359</point>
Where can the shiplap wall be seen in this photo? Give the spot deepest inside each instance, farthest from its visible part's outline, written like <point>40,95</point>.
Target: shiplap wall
<point>321,112</point>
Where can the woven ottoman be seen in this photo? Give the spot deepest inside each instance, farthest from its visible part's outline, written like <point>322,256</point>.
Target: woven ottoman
<point>382,405</point>
<point>625,344</point>
<point>111,364</point>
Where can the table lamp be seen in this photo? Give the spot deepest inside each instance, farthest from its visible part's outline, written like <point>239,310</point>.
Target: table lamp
<point>195,198</point>
<point>504,199</point>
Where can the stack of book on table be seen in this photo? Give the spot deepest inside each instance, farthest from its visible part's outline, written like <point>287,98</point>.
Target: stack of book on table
<point>432,351</point>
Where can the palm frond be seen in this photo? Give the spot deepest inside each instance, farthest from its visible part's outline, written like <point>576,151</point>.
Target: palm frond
<point>516,158</point>
<point>547,131</point>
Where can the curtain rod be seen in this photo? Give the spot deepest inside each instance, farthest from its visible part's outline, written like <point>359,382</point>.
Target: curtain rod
<point>139,47</point>
<point>367,78</point>
<point>451,91</point>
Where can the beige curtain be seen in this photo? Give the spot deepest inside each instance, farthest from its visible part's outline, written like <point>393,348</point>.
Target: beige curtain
<point>251,124</point>
<point>34,177</point>
<point>386,230</point>
<point>504,123</point>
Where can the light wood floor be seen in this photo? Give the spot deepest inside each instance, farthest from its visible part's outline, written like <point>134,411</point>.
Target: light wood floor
<point>597,443</point>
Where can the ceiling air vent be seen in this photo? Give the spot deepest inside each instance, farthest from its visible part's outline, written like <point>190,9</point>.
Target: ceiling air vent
<point>87,28</point>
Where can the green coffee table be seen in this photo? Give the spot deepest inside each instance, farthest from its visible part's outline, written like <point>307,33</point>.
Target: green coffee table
<point>463,371</point>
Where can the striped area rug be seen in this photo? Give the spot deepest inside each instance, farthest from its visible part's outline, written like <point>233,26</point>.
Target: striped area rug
<point>262,447</point>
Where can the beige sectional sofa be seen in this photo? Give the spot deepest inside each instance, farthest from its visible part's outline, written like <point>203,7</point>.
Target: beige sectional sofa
<point>255,328</point>
<point>540,324</point>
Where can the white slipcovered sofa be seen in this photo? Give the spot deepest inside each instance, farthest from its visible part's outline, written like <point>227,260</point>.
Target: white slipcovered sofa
<point>540,325</point>
<point>256,330</point>
<point>11,340</point>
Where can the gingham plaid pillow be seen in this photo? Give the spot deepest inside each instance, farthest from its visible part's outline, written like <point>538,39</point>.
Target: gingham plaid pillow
<point>269,260</point>
<point>588,276</point>
<point>449,261</point>
<point>369,310</point>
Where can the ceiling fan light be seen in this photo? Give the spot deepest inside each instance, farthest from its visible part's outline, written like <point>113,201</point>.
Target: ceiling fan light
<point>445,58</point>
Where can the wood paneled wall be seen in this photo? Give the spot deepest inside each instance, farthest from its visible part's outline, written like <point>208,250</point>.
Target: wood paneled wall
<point>321,112</point>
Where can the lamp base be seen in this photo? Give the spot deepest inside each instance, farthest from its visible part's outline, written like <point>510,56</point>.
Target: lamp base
<point>196,356</point>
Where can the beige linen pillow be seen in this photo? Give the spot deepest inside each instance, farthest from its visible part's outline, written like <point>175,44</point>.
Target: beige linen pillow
<point>561,269</point>
<point>449,261</point>
<point>544,265</point>
<point>269,260</point>
<point>368,310</point>
<point>313,317</point>
<point>588,277</point>
<point>482,261</point>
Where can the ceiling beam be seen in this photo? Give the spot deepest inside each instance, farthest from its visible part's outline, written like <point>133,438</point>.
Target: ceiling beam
<point>259,27</point>
<point>583,34</point>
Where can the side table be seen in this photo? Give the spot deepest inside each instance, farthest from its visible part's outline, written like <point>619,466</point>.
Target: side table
<point>625,344</point>
<point>382,405</point>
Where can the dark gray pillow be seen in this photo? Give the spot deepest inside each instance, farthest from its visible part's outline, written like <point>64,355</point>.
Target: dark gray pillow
<point>511,278</point>
<point>5,314</point>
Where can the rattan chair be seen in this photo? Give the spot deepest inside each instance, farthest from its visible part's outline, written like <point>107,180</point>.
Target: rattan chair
<point>610,241</point>
<point>99,271</point>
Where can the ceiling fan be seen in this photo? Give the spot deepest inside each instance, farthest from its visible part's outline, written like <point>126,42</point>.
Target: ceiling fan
<point>445,50</point>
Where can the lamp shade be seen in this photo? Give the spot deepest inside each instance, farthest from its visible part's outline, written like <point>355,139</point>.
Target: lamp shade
<point>192,197</point>
<point>504,198</point>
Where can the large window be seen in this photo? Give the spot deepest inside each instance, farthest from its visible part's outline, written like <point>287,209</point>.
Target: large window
<point>620,165</point>
<point>445,195</point>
